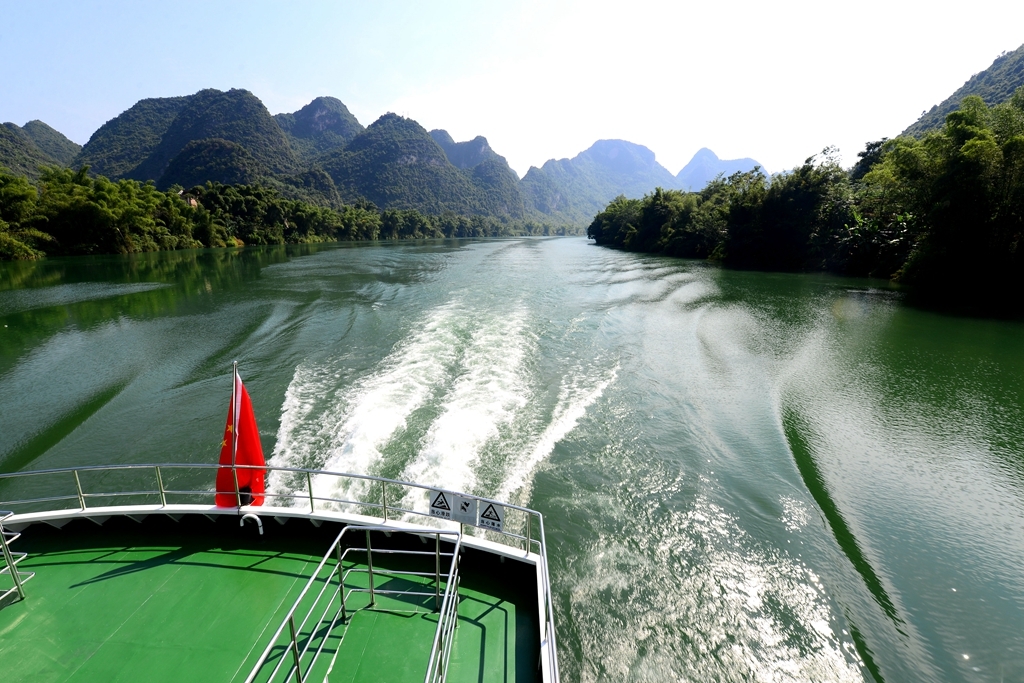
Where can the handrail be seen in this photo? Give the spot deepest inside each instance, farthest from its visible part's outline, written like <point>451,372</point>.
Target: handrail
<point>10,561</point>
<point>549,635</point>
<point>293,645</point>
<point>447,620</point>
<point>267,468</point>
<point>81,494</point>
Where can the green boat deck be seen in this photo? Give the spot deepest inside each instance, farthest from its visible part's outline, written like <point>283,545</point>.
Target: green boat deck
<point>200,600</point>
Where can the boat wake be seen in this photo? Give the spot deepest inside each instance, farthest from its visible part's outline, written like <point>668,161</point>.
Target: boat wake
<point>457,404</point>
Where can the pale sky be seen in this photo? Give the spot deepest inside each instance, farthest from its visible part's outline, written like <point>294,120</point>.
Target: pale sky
<point>773,80</point>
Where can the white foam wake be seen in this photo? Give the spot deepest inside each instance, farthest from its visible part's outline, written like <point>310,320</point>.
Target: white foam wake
<point>486,397</point>
<point>349,435</point>
<point>576,394</point>
<point>296,434</point>
<point>475,366</point>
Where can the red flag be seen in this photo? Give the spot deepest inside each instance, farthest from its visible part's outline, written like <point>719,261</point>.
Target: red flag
<point>245,441</point>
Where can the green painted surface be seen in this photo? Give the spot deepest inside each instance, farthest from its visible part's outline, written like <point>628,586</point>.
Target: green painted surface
<point>124,605</point>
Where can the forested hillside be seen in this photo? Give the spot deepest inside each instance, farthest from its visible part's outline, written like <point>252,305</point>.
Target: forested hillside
<point>123,143</point>
<point>20,154</point>
<point>236,116</point>
<point>994,85</point>
<point>465,155</point>
<point>940,214</point>
<point>212,159</point>
<point>51,142</point>
<point>395,163</point>
<point>216,169</point>
<point>322,155</point>
<point>71,212</point>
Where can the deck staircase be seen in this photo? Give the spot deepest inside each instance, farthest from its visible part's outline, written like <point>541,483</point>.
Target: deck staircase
<point>9,567</point>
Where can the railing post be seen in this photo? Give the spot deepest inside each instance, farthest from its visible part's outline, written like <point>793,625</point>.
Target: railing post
<point>384,498</point>
<point>295,649</point>
<point>309,488</point>
<point>81,496</point>
<point>160,485</point>
<point>458,582</point>
<point>529,531</point>
<point>437,571</point>
<point>369,566</point>
<point>341,586</point>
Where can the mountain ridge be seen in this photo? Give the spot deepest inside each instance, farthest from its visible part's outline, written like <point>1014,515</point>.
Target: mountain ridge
<point>236,116</point>
<point>26,149</point>
<point>396,163</point>
<point>578,188</point>
<point>124,142</point>
<point>320,127</point>
<point>705,166</point>
<point>995,85</point>
<point>324,155</point>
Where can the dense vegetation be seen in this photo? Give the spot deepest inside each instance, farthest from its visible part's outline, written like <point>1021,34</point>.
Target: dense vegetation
<point>320,154</point>
<point>19,153</point>
<point>943,214</point>
<point>72,212</point>
<point>213,160</point>
<point>465,155</point>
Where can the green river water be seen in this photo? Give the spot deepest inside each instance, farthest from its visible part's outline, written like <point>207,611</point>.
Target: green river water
<point>744,476</point>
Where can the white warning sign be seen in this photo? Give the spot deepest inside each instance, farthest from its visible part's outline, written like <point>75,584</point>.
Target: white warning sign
<point>441,504</point>
<point>464,509</point>
<point>492,517</point>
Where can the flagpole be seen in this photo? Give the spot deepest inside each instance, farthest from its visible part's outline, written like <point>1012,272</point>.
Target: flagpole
<point>234,428</point>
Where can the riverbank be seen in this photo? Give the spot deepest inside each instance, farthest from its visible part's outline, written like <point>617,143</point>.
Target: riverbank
<point>939,215</point>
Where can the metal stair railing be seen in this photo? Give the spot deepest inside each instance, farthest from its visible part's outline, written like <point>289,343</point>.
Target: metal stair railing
<point>296,644</point>
<point>11,560</point>
<point>447,620</point>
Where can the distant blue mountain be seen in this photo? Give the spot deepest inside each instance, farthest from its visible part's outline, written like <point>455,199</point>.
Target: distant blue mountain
<point>705,166</point>
<point>576,189</point>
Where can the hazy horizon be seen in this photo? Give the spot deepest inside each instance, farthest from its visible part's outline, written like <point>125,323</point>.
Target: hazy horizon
<point>538,80</point>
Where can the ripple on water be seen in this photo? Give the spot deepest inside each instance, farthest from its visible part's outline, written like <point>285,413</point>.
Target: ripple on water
<point>695,598</point>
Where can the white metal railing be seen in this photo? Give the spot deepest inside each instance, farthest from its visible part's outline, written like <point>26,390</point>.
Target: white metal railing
<point>297,643</point>
<point>77,495</point>
<point>447,620</point>
<point>11,560</point>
